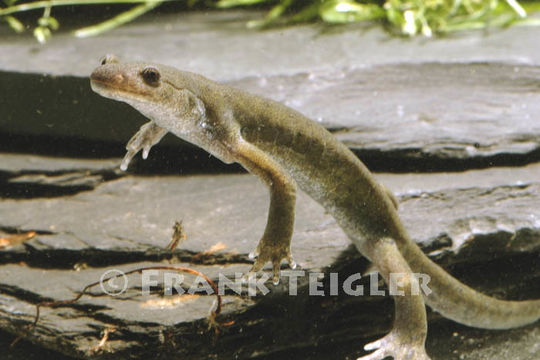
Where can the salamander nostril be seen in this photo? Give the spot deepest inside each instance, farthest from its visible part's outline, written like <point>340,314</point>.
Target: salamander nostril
<point>108,59</point>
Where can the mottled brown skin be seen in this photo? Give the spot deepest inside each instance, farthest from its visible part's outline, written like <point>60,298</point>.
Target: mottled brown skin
<point>284,148</point>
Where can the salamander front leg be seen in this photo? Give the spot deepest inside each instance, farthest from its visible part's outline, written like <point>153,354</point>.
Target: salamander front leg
<point>407,338</point>
<point>275,245</point>
<point>148,135</point>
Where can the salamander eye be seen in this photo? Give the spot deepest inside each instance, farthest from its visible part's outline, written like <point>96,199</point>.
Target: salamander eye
<point>108,59</point>
<point>151,75</point>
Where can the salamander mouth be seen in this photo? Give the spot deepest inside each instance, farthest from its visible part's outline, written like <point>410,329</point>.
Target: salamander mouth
<point>99,84</point>
<point>117,90</point>
<point>106,89</point>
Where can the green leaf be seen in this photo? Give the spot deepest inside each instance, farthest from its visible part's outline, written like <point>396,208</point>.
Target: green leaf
<point>118,20</point>
<point>222,4</point>
<point>49,22</point>
<point>53,23</point>
<point>10,2</point>
<point>42,21</point>
<point>15,24</point>
<point>271,16</point>
<point>42,34</point>
<point>345,11</point>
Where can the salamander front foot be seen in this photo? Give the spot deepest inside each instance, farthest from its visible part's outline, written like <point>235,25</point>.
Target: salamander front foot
<point>148,135</point>
<point>269,252</point>
<point>396,347</point>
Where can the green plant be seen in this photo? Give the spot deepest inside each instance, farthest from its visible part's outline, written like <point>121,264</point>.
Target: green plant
<point>408,17</point>
<point>47,23</point>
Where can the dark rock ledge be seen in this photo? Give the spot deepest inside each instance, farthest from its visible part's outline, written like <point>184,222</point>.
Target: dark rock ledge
<point>397,117</point>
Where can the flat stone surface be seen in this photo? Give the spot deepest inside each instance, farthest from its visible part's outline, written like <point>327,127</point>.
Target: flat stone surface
<point>465,101</point>
<point>448,111</point>
<point>137,213</point>
<point>463,220</point>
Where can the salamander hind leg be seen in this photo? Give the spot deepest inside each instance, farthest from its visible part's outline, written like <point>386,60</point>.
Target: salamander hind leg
<point>407,338</point>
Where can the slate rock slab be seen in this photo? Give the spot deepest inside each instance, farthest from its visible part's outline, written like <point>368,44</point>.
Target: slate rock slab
<point>465,101</point>
<point>479,224</point>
